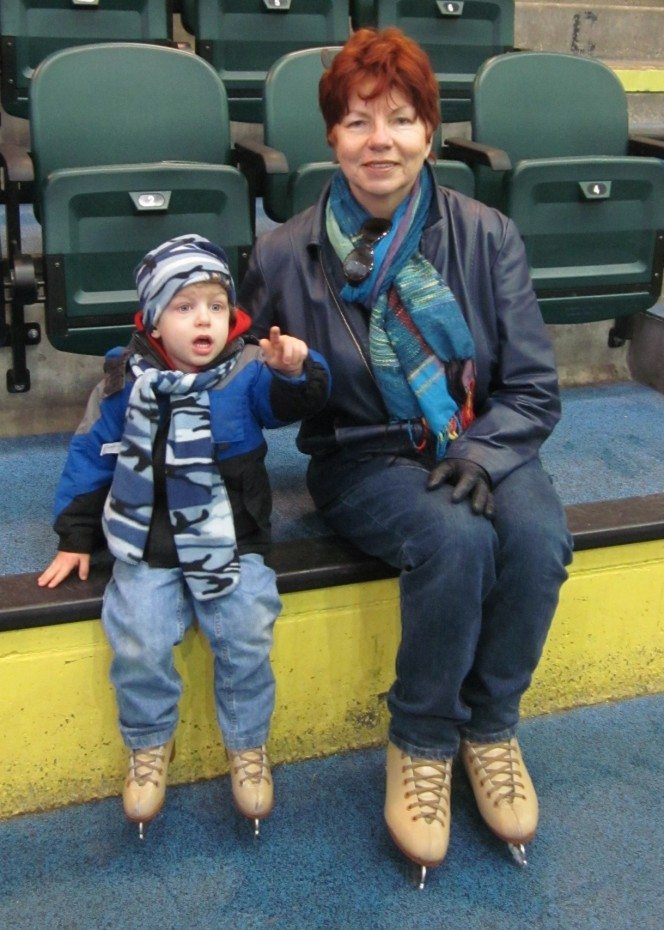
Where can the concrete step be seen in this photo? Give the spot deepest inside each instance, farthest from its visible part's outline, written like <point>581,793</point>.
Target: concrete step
<point>627,36</point>
<point>644,83</point>
<point>604,29</point>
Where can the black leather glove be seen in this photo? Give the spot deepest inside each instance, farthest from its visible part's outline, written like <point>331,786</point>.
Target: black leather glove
<point>470,480</point>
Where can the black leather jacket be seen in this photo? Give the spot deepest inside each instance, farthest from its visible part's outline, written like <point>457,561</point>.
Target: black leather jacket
<point>294,279</point>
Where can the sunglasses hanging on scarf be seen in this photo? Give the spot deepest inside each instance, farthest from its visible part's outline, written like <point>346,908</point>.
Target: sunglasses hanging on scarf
<point>359,263</point>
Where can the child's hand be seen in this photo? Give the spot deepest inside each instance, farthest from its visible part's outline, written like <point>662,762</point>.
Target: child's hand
<point>62,565</point>
<point>285,354</point>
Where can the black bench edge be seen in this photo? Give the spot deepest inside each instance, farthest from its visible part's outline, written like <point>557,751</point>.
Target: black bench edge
<point>317,562</point>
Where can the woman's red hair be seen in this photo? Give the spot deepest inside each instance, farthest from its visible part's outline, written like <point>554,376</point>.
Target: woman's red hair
<point>393,62</point>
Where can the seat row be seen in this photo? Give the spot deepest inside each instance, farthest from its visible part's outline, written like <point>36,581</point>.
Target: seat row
<point>131,146</point>
<point>241,40</point>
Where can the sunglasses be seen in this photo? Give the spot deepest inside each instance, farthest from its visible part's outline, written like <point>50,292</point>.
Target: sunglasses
<point>359,263</point>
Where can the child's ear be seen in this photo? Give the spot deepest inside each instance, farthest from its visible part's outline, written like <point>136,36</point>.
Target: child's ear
<point>154,332</point>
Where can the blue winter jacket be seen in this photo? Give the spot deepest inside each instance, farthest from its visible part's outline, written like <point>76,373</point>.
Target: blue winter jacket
<point>251,398</point>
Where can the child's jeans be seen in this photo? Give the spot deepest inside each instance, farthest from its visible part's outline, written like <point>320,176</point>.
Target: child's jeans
<point>146,611</point>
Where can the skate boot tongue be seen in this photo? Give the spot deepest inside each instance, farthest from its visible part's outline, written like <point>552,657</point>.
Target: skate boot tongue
<point>502,771</point>
<point>252,765</point>
<point>431,787</point>
<point>147,765</point>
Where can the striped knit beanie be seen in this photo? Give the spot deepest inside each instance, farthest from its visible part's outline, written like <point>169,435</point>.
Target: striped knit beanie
<point>175,264</point>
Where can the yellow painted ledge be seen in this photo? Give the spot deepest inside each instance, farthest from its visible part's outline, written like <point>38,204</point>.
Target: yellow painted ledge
<point>641,80</point>
<point>333,659</point>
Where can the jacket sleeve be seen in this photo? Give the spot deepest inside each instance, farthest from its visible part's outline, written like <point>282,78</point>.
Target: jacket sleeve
<point>523,403</point>
<point>296,398</point>
<point>88,473</point>
<point>279,400</point>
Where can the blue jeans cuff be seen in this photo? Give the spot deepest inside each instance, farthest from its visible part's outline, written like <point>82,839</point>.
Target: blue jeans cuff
<point>434,754</point>
<point>497,736</point>
<point>242,743</point>
<point>146,741</point>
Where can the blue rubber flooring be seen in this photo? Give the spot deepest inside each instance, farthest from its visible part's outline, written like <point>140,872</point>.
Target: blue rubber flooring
<point>324,860</point>
<point>608,445</point>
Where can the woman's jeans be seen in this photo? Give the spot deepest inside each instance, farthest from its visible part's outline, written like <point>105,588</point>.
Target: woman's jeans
<point>146,611</point>
<point>477,598</point>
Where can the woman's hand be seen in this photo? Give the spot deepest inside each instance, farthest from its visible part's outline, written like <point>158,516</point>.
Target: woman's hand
<point>63,565</point>
<point>285,354</point>
<point>470,480</point>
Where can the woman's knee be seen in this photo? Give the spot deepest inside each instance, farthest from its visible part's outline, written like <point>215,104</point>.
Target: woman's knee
<point>536,543</point>
<point>450,534</point>
<point>530,518</point>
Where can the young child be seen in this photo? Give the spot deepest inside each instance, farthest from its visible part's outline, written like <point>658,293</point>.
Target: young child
<point>169,460</point>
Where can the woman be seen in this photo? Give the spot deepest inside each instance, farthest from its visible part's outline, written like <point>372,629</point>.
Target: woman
<point>444,387</point>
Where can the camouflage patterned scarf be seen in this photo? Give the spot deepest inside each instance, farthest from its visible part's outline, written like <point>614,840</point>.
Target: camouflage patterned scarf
<point>198,504</point>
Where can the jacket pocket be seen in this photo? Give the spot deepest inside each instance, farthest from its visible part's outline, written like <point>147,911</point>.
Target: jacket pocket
<point>228,429</point>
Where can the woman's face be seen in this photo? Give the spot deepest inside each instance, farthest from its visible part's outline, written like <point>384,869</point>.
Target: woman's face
<point>381,145</point>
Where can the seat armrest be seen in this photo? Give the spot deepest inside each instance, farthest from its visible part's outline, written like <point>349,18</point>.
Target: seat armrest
<point>17,164</point>
<point>18,177</point>
<point>646,146</point>
<point>256,161</point>
<point>476,153</point>
<point>250,151</point>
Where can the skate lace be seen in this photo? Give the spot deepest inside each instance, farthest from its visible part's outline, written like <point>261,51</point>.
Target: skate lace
<point>431,782</point>
<point>502,772</point>
<point>147,765</point>
<point>253,764</point>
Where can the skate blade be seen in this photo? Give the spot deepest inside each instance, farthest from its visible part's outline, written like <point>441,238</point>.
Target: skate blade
<point>518,853</point>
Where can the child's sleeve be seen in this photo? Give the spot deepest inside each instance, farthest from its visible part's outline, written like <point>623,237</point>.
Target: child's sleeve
<point>292,399</point>
<point>88,473</point>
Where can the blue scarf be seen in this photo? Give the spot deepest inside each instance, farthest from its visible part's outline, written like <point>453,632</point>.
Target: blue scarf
<point>198,505</point>
<point>421,349</point>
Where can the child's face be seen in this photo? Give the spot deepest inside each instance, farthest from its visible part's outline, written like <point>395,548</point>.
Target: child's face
<point>193,327</point>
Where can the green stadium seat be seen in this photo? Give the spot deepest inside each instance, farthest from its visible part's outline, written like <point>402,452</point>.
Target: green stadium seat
<point>112,181</point>
<point>551,149</point>
<point>31,30</point>
<point>241,40</point>
<point>290,169</point>
<point>458,35</point>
